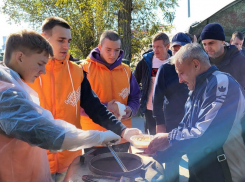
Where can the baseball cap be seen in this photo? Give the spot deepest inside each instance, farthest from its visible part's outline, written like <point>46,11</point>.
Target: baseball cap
<point>180,39</point>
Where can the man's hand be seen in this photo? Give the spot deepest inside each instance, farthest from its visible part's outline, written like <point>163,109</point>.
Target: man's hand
<point>159,142</point>
<point>161,128</point>
<point>128,113</point>
<point>112,107</point>
<point>128,132</point>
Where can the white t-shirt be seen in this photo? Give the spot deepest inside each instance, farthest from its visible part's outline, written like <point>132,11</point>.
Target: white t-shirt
<point>156,63</point>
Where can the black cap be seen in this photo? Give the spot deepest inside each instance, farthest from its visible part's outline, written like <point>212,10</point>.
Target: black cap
<point>213,31</point>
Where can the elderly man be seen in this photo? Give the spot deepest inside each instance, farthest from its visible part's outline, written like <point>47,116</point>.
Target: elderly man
<point>210,132</point>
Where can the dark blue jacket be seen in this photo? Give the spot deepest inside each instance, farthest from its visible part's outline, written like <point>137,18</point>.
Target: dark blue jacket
<point>169,97</point>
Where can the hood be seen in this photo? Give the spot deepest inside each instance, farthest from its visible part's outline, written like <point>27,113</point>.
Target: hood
<point>95,56</point>
<point>148,56</point>
<point>231,51</point>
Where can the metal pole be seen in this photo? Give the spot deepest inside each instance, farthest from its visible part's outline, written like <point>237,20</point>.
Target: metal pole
<point>189,9</point>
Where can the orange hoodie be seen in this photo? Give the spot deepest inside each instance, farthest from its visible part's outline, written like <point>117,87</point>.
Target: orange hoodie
<point>56,93</point>
<point>108,85</point>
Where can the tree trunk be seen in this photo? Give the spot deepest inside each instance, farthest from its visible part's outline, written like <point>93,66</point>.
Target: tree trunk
<point>124,27</point>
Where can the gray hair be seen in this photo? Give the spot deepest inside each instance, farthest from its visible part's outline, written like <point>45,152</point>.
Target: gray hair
<point>189,52</point>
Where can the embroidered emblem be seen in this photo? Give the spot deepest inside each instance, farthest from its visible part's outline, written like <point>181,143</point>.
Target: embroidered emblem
<point>222,89</point>
<point>72,98</point>
<point>124,93</point>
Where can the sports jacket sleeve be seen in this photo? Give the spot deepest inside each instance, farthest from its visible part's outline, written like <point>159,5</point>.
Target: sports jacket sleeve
<point>158,97</point>
<point>219,110</point>
<point>97,111</point>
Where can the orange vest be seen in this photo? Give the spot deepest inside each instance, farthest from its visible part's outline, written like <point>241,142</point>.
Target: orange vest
<point>108,85</point>
<point>21,162</point>
<point>56,93</point>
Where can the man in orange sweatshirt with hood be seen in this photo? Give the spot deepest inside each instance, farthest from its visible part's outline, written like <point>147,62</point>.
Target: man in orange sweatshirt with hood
<point>64,88</point>
<point>113,82</point>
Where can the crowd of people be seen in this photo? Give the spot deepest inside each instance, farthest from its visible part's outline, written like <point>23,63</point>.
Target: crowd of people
<point>192,99</point>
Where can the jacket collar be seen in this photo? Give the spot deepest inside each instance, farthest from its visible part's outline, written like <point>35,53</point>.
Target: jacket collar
<point>148,56</point>
<point>58,63</point>
<point>230,52</point>
<point>95,56</point>
<point>202,77</point>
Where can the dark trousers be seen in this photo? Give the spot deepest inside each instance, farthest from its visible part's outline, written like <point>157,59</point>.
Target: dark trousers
<point>117,148</point>
<point>150,122</point>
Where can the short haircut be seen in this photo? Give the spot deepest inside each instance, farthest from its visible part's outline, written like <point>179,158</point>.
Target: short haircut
<point>189,52</point>
<point>51,22</point>
<point>28,42</point>
<point>237,34</point>
<point>161,36</point>
<point>109,34</point>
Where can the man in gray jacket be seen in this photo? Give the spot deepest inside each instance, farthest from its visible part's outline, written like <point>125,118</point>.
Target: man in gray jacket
<point>227,58</point>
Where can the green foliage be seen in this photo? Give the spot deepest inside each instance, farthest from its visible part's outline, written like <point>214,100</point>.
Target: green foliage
<point>89,18</point>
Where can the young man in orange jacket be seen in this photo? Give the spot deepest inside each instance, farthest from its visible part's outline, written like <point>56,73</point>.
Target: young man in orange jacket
<point>64,89</point>
<point>112,81</point>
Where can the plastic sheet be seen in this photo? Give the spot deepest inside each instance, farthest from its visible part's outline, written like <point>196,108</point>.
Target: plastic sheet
<point>23,118</point>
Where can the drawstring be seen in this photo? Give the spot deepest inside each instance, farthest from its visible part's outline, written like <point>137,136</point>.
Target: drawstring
<point>128,80</point>
<point>75,98</point>
<point>88,70</point>
<point>40,79</point>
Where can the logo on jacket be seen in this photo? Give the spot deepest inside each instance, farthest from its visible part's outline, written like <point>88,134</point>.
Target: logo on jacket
<point>154,72</point>
<point>73,98</point>
<point>124,93</point>
<point>222,89</point>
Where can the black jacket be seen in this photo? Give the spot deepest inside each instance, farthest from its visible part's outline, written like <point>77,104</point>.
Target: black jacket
<point>169,97</point>
<point>234,64</point>
<point>142,74</point>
